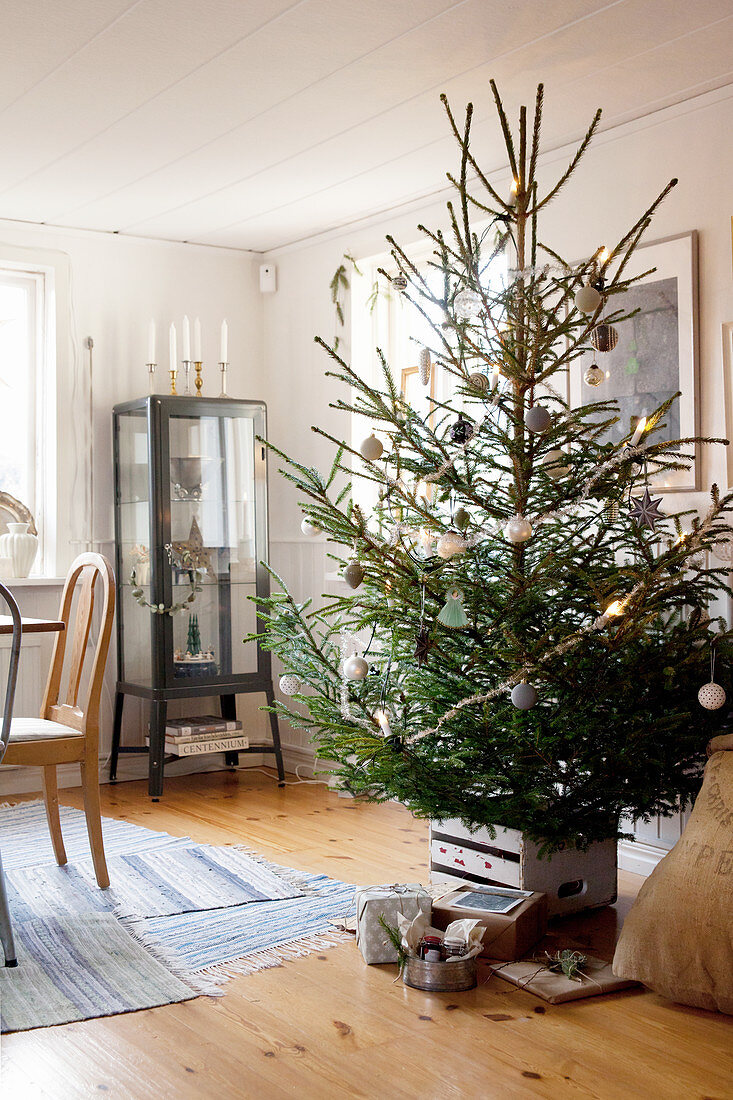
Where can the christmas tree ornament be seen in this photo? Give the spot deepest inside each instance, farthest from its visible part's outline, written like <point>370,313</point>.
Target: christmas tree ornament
<point>537,419</point>
<point>423,645</point>
<point>312,530</point>
<point>518,530</point>
<point>450,545</point>
<point>371,448</point>
<point>523,696</point>
<point>645,511</point>
<point>467,304</point>
<point>354,574</point>
<point>480,381</point>
<point>587,299</point>
<point>424,366</point>
<point>426,540</point>
<point>289,684</point>
<point>604,338</point>
<point>462,430</point>
<point>461,519</point>
<point>399,282</point>
<point>555,463</point>
<point>451,613</point>
<point>593,376</point>
<point>355,668</point>
<point>711,696</point>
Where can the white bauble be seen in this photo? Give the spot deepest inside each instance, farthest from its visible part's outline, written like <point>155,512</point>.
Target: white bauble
<point>450,544</point>
<point>524,696</point>
<point>289,684</point>
<point>537,419</point>
<point>371,448</point>
<point>467,304</point>
<point>312,530</point>
<point>399,282</point>
<point>588,299</point>
<point>355,668</point>
<point>711,696</point>
<point>555,463</point>
<point>518,530</point>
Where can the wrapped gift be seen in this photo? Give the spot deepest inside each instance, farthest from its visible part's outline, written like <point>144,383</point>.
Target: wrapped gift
<point>389,902</point>
<point>514,919</point>
<point>594,977</point>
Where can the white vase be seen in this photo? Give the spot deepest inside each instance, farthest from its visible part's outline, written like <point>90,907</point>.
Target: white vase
<point>20,546</point>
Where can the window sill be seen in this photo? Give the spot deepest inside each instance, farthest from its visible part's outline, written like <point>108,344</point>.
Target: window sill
<point>33,582</point>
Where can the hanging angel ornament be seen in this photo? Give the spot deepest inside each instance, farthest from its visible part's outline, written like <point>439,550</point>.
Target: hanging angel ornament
<point>451,613</point>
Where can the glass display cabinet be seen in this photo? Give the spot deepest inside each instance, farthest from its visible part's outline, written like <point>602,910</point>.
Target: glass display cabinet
<point>191,533</point>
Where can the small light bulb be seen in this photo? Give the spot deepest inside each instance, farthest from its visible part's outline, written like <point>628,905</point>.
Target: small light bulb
<point>383,720</point>
<point>614,609</point>
<point>603,255</point>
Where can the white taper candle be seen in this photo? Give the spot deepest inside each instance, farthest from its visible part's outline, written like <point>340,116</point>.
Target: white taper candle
<point>224,343</point>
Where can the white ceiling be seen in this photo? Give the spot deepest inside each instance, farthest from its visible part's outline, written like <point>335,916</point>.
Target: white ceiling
<point>256,123</point>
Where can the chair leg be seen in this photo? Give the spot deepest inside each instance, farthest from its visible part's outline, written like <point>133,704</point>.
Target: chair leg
<point>93,812</point>
<point>6,931</point>
<point>51,799</point>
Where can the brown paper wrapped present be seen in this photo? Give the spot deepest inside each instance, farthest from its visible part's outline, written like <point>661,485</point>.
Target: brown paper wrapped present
<point>533,975</point>
<point>508,935</point>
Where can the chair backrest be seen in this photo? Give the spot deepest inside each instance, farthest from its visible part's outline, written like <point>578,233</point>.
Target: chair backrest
<point>84,716</point>
<point>12,668</point>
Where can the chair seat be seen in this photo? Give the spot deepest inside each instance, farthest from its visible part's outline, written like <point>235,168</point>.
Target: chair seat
<point>39,729</point>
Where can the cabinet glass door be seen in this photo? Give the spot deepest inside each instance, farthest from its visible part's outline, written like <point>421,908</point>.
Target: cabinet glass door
<point>134,545</point>
<point>212,531</point>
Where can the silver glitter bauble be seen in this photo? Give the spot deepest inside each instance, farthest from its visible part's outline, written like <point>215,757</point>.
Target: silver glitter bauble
<point>371,448</point>
<point>711,696</point>
<point>604,338</point>
<point>537,419</point>
<point>467,304</point>
<point>355,668</point>
<point>555,463</point>
<point>588,299</point>
<point>289,684</point>
<point>518,530</point>
<point>450,544</point>
<point>723,549</point>
<point>312,530</point>
<point>524,696</point>
<point>594,375</point>
<point>399,282</point>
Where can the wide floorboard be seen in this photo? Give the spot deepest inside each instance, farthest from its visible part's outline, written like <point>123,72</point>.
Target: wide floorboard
<point>329,1026</point>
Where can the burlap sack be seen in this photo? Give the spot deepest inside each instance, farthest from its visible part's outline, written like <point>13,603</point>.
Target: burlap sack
<point>678,937</point>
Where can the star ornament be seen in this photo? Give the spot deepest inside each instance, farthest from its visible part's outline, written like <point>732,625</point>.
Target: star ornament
<point>423,645</point>
<point>645,511</point>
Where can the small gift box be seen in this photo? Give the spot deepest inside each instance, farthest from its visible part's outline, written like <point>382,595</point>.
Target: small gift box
<point>389,902</point>
<point>514,919</point>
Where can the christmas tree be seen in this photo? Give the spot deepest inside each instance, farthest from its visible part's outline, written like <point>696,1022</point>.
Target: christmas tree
<point>528,631</point>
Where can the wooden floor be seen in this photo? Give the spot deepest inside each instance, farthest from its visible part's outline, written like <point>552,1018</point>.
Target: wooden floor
<point>329,1026</point>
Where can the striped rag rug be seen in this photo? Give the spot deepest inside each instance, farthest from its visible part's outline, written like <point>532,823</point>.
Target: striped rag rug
<point>177,921</point>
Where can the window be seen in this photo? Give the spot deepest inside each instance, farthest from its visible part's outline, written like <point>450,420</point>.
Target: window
<point>23,377</point>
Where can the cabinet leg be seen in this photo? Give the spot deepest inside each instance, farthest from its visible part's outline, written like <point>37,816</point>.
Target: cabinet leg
<point>156,753</point>
<point>116,735</point>
<point>275,727</point>
<point>229,711</point>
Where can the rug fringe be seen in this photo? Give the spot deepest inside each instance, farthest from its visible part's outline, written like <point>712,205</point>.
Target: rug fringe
<point>201,982</point>
<point>272,956</point>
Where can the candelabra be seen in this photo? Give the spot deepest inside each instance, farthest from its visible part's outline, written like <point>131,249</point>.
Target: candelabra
<point>187,364</point>
<point>199,382</point>
<point>223,367</point>
<point>151,376</point>
<point>173,372</point>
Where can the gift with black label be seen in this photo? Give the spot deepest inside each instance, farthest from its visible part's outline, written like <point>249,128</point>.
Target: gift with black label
<point>515,920</point>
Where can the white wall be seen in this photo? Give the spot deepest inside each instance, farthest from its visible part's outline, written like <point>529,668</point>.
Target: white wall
<point>116,285</point>
<point>618,179</point>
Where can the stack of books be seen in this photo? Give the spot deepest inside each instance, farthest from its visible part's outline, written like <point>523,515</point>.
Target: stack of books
<point>203,733</point>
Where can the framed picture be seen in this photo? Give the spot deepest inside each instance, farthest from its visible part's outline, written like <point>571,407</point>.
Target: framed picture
<point>656,354</point>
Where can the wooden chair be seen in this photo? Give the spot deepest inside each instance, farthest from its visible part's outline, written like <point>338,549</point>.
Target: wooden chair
<point>68,732</point>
